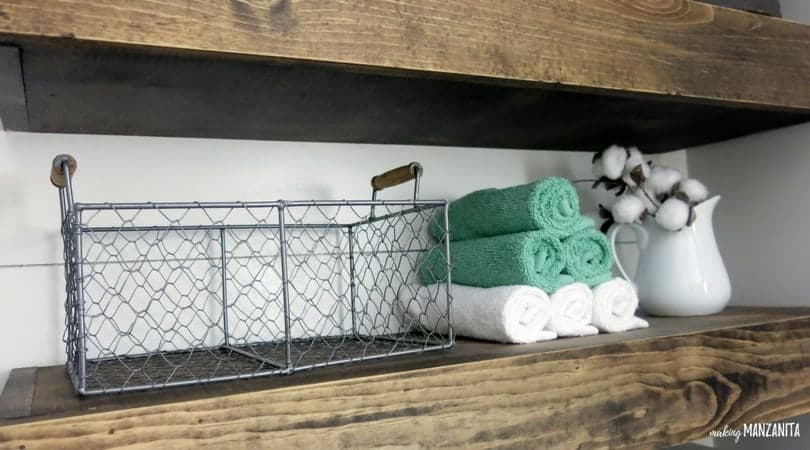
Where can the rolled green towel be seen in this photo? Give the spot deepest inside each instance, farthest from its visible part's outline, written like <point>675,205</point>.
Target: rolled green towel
<point>531,258</point>
<point>587,257</point>
<point>551,205</point>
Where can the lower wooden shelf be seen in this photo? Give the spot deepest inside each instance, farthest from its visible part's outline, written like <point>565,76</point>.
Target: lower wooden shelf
<point>650,388</point>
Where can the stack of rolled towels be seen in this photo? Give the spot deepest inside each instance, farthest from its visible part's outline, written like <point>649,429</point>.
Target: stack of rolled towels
<point>526,267</point>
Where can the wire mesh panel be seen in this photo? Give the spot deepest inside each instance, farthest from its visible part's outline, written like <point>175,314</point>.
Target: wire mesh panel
<point>165,294</point>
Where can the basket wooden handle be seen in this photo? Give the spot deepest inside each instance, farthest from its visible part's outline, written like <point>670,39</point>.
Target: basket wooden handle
<point>396,176</point>
<point>57,174</point>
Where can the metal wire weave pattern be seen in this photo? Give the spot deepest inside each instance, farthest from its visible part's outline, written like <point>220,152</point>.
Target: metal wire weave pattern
<point>165,294</point>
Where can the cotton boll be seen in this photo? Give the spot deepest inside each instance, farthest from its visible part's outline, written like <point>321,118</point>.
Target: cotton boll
<point>598,169</point>
<point>694,190</point>
<point>627,209</point>
<point>613,160</point>
<point>634,158</point>
<point>628,177</point>
<point>648,204</point>
<point>673,214</point>
<point>662,179</point>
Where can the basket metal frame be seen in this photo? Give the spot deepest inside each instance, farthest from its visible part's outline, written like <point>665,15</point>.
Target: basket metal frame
<point>73,232</point>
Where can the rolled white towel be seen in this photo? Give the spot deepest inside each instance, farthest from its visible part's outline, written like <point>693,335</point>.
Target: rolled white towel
<point>508,314</point>
<point>571,311</point>
<point>614,307</point>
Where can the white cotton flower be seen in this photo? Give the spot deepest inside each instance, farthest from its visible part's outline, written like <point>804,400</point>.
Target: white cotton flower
<point>662,179</point>
<point>648,204</point>
<point>634,158</point>
<point>613,160</point>
<point>627,209</point>
<point>694,190</point>
<point>673,214</point>
<point>598,170</point>
<point>628,177</point>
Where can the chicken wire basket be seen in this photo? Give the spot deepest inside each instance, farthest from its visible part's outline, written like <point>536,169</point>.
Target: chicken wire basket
<point>171,294</point>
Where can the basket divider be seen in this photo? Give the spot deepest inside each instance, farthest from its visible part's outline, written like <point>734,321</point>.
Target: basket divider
<point>285,285</point>
<point>352,284</point>
<point>224,270</point>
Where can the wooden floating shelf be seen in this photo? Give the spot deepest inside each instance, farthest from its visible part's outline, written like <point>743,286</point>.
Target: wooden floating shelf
<point>650,388</point>
<point>554,74</point>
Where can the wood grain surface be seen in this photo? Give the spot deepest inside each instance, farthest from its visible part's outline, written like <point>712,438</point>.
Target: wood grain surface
<point>74,87</point>
<point>642,393</point>
<point>18,393</point>
<point>13,109</point>
<point>396,176</point>
<point>551,74</point>
<point>669,47</point>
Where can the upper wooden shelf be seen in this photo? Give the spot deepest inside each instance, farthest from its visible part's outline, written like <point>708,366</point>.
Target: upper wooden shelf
<point>662,74</point>
<point>669,384</point>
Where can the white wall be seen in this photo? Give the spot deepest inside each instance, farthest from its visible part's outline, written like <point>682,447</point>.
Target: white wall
<point>796,10</point>
<point>115,168</point>
<point>761,222</point>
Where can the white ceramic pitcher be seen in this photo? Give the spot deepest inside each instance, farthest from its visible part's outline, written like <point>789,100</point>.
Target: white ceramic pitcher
<point>680,273</point>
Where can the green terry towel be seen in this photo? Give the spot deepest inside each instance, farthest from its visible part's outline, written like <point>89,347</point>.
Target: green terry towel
<point>530,258</point>
<point>587,257</point>
<point>551,205</point>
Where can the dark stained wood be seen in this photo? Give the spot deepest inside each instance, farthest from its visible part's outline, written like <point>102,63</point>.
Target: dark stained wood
<point>103,90</point>
<point>18,393</point>
<point>677,47</point>
<point>543,74</point>
<point>645,389</point>
<point>13,110</point>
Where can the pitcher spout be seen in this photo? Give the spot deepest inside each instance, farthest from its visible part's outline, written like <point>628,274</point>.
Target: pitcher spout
<point>706,208</point>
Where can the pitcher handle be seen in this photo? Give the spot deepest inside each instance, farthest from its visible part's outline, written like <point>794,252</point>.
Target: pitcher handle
<point>642,239</point>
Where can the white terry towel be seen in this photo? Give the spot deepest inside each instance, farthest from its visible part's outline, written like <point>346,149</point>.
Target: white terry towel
<point>508,314</point>
<point>614,307</point>
<point>571,311</point>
